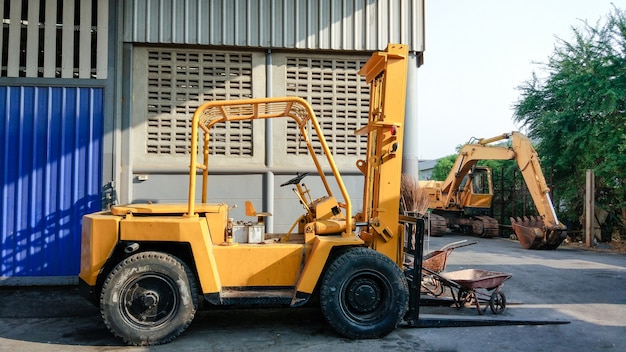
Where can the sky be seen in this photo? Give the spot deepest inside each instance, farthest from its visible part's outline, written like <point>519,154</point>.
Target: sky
<point>476,55</point>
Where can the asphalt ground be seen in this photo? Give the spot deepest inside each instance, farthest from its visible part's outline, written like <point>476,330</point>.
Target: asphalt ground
<point>585,289</point>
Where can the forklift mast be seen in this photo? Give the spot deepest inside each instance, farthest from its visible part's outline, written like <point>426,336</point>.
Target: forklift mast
<point>386,73</point>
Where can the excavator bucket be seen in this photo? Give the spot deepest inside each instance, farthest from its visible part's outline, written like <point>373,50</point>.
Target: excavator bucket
<point>532,233</point>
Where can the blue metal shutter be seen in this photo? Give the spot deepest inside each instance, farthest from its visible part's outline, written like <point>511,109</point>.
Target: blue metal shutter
<point>51,150</point>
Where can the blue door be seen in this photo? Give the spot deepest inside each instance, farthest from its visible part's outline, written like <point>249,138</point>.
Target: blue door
<point>51,150</point>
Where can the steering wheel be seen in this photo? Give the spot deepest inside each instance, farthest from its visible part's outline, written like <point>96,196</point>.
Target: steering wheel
<point>295,180</point>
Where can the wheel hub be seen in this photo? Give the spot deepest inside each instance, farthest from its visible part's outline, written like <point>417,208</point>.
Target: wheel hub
<point>364,295</point>
<point>150,299</point>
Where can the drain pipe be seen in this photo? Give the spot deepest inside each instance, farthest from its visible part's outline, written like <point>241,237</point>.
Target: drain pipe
<point>269,146</point>
<point>410,155</point>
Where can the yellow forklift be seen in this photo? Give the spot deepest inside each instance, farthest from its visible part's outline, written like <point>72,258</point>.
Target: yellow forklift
<point>149,267</point>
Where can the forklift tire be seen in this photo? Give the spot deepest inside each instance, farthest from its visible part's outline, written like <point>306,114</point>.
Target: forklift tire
<point>149,299</point>
<point>364,294</point>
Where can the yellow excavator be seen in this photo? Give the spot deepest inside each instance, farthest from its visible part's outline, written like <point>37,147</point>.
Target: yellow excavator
<point>150,266</point>
<point>465,197</point>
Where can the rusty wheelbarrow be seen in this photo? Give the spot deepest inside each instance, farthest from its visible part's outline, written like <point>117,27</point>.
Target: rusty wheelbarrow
<point>475,285</point>
<point>436,261</point>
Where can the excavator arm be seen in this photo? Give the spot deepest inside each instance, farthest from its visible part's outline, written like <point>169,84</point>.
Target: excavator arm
<point>545,232</point>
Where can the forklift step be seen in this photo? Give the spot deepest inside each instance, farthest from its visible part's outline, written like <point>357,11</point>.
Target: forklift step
<point>257,296</point>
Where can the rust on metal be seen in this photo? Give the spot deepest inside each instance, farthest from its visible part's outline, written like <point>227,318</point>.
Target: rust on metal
<point>532,233</point>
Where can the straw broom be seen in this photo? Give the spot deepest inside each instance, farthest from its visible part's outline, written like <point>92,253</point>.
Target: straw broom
<point>414,198</point>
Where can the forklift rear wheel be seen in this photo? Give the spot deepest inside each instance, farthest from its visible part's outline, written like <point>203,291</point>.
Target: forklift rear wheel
<point>363,294</point>
<point>149,299</point>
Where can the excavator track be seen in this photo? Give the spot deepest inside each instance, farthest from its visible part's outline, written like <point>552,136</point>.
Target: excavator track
<point>479,226</point>
<point>437,225</point>
<point>485,226</point>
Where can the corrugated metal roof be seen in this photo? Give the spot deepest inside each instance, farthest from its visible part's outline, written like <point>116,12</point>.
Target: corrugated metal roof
<point>361,25</point>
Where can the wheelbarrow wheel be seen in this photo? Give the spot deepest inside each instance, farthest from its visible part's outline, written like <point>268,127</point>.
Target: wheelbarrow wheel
<point>497,303</point>
<point>464,297</point>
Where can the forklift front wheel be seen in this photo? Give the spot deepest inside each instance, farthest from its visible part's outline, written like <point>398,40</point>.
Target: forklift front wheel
<point>149,299</point>
<point>363,294</point>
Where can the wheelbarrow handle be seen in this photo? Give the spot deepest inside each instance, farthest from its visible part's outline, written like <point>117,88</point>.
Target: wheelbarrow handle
<point>457,244</point>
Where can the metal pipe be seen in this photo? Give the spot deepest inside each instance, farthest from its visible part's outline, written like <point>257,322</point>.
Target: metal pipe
<point>269,147</point>
<point>410,157</point>
<point>503,136</point>
<point>269,156</point>
<point>125,128</point>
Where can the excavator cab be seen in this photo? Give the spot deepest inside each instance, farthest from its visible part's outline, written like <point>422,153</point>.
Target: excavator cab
<point>477,190</point>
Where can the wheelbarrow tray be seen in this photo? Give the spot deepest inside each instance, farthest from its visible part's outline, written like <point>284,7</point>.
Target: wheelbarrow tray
<point>436,260</point>
<point>472,279</point>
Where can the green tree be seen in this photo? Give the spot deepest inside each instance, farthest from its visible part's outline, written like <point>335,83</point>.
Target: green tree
<point>576,112</point>
<point>442,167</point>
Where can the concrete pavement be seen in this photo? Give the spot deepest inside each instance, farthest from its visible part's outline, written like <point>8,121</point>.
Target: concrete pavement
<point>586,288</point>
